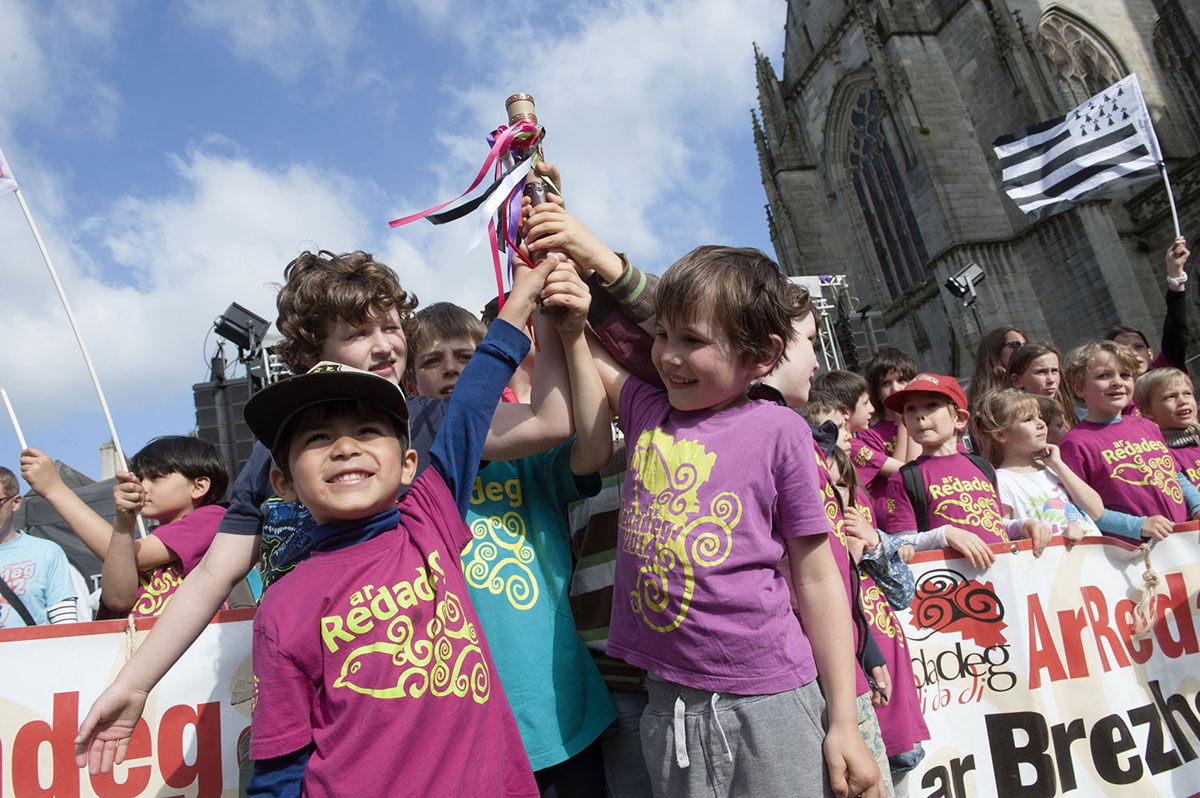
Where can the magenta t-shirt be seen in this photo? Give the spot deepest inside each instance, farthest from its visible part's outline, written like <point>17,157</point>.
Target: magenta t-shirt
<point>374,654</point>
<point>882,436</point>
<point>868,458</point>
<point>187,538</point>
<point>1187,460</point>
<point>900,721</point>
<point>1128,464</point>
<point>879,438</point>
<point>708,501</point>
<point>956,492</point>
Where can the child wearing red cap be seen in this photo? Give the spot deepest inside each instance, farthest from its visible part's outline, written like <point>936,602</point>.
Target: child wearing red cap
<point>944,497</point>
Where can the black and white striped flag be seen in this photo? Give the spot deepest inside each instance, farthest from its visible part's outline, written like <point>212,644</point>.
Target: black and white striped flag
<point>1056,163</point>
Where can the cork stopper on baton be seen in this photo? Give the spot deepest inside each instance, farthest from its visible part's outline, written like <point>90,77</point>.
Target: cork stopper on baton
<point>520,108</point>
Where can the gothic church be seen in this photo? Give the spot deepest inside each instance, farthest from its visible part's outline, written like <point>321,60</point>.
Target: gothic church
<point>876,157</point>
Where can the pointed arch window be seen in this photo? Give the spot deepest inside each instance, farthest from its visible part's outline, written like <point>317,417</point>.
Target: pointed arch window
<point>878,186</point>
<point>1080,59</point>
<point>1174,65</point>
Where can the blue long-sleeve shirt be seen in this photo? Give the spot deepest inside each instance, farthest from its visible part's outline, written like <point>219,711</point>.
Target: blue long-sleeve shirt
<point>1115,522</point>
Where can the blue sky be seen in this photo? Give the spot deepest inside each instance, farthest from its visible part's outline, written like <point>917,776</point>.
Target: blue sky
<point>177,156</point>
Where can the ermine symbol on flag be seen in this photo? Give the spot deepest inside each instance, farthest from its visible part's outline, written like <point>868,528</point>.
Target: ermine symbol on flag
<point>1073,158</point>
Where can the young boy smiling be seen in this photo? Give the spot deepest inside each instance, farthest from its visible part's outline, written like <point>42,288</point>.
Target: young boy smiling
<point>348,309</point>
<point>1122,456</point>
<point>1165,397</point>
<point>377,631</point>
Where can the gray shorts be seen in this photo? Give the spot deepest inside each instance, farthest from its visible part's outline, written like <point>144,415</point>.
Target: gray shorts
<point>698,743</point>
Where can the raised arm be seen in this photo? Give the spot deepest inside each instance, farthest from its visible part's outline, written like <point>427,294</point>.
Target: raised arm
<point>119,577</point>
<point>592,449</point>
<point>1084,495</point>
<point>1173,346</point>
<point>89,526</point>
<point>519,430</point>
<point>459,444</point>
<point>105,732</point>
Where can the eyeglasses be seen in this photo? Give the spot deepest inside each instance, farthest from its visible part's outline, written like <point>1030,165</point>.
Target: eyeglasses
<point>1013,345</point>
<point>4,499</point>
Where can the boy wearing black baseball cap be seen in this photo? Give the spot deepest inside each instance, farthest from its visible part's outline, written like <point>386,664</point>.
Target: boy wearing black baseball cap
<point>371,672</point>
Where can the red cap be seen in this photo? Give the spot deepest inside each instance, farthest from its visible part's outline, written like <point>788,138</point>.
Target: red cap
<point>928,383</point>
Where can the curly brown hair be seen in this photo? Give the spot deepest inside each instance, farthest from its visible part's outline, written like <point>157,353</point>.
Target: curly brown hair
<point>321,287</point>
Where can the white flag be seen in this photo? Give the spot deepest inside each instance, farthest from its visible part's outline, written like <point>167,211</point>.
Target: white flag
<point>7,183</point>
<point>1075,157</point>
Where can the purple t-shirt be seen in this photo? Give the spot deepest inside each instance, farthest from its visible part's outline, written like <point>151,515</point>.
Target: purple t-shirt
<point>957,493</point>
<point>1128,464</point>
<point>373,653</point>
<point>1187,460</point>
<point>708,501</point>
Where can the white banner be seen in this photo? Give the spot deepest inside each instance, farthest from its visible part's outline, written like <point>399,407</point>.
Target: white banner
<point>186,743</point>
<point>1032,681</point>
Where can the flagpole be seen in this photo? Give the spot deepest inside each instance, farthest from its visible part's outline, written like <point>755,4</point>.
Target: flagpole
<point>1162,167</point>
<point>13,417</point>
<point>112,428</point>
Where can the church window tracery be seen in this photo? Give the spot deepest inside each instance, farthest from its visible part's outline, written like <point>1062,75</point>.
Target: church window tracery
<point>878,186</point>
<point>1082,62</point>
<point>1166,50</point>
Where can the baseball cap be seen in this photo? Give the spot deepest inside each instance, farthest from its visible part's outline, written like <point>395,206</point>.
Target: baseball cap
<point>269,410</point>
<point>928,383</point>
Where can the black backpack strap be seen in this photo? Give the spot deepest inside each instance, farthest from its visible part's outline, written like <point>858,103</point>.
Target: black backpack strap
<point>15,602</point>
<point>914,486</point>
<point>988,470</point>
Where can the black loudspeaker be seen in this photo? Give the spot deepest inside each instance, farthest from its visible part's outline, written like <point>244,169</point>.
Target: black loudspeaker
<point>219,420</point>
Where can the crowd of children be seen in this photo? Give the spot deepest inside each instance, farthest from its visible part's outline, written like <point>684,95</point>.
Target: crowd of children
<point>457,603</point>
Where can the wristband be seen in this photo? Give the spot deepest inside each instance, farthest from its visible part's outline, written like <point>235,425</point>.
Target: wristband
<point>1177,281</point>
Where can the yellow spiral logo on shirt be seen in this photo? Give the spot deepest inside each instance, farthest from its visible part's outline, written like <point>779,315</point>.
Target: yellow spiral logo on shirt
<point>498,558</point>
<point>665,527</point>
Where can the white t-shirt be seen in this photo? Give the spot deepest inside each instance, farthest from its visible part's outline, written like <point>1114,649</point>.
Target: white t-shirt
<point>1040,496</point>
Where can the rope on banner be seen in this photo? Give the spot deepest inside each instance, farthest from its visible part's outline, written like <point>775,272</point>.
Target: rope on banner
<point>1145,613</point>
<point>130,637</point>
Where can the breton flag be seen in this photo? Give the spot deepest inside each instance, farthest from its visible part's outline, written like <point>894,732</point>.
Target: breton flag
<point>7,183</point>
<point>1075,157</point>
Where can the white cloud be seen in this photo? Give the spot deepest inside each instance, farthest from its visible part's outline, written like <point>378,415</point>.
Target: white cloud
<point>49,53</point>
<point>287,37</point>
<point>639,100</point>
